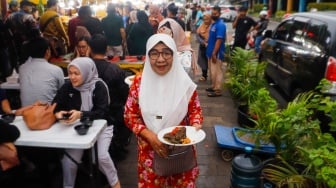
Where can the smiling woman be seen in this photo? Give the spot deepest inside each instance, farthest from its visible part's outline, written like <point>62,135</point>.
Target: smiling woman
<point>163,96</point>
<point>86,96</point>
<point>160,58</point>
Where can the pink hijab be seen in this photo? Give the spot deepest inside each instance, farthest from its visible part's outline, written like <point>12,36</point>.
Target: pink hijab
<point>180,38</point>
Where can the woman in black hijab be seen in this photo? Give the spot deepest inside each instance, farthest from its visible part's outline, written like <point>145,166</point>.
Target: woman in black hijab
<point>138,36</point>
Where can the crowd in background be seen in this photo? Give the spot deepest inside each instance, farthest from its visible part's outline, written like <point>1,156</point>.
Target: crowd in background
<point>123,26</point>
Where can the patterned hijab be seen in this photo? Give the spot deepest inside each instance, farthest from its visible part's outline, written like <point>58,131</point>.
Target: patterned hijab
<point>89,74</point>
<point>164,99</point>
<point>203,29</point>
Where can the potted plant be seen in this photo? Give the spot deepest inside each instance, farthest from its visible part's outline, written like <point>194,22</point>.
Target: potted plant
<point>245,76</point>
<point>308,156</point>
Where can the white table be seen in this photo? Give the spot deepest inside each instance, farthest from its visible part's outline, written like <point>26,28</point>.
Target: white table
<point>6,85</point>
<point>58,136</point>
<point>61,136</point>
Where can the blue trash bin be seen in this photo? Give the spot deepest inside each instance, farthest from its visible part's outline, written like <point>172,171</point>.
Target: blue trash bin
<point>246,170</point>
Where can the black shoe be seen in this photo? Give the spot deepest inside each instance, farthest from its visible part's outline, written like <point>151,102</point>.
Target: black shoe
<point>215,94</point>
<point>209,89</point>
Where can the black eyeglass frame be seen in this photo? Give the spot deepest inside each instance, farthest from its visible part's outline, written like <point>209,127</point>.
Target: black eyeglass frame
<point>165,50</point>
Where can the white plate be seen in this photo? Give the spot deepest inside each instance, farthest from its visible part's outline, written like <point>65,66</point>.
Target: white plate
<point>192,134</point>
<point>129,80</point>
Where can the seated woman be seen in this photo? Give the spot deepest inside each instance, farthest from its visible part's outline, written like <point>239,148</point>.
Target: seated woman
<point>82,48</point>
<point>86,95</point>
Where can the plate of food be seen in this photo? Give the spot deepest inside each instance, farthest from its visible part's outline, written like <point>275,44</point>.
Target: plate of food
<point>181,135</point>
<point>129,80</point>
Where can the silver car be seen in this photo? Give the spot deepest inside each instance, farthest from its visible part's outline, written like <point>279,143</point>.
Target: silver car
<point>228,12</point>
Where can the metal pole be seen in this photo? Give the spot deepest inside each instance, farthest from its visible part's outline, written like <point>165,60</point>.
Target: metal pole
<point>302,6</point>
<point>279,5</point>
<point>3,8</point>
<point>289,6</point>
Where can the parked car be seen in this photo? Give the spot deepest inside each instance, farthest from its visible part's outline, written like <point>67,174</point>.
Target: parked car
<point>301,51</point>
<point>228,12</point>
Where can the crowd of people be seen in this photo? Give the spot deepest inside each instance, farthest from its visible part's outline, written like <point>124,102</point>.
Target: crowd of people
<point>163,95</point>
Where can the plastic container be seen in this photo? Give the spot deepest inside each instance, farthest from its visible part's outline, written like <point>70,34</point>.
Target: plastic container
<point>246,170</point>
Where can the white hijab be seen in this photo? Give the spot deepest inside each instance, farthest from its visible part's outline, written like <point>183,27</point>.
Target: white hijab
<point>164,99</point>
<point>89,74</point>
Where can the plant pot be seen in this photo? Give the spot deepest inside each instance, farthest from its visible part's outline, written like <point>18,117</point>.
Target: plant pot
<point>244,119</point>
<point>325,119</point>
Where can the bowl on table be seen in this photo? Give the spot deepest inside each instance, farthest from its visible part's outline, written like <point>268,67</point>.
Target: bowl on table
<point>8,118</point>
<point>81,129</point>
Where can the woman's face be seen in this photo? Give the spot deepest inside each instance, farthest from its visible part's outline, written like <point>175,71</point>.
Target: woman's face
<point>207,19</point>
<point>75,76</point>
<point>161,58</point>
<point>82,47</point>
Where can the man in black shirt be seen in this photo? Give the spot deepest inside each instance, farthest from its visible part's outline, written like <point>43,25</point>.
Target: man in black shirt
<point>114,77</point>
<point>172,10</point>
<point>243,24</point>
<point>193,17</point>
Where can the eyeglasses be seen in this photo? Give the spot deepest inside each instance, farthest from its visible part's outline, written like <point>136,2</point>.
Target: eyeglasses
<point>81,46</point>
<point>155,54</point>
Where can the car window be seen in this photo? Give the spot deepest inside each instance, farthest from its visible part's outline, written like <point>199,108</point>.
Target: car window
<point>282,31</point>
<point>296,32</point>
<point>291,31</point>
<point>317,34</point>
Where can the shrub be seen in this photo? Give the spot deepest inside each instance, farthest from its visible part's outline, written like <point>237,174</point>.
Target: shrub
<point>322,6</point>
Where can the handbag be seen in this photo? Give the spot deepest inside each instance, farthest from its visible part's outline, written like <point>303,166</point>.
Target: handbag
<point>180,159</point>
<point>39,116</point>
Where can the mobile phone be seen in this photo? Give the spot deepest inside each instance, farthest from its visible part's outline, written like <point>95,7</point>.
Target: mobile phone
<point>65,116</point>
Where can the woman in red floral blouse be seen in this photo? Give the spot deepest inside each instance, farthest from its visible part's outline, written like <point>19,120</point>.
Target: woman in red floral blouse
<point>163,96</point>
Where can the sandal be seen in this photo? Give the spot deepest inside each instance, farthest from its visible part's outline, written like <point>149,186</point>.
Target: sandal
<point>202,79</point>
<point>209,89</point>
<point>216,93</point>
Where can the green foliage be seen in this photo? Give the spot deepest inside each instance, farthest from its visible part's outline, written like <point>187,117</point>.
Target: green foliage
<point>264,109</point>
<point>297,127</point>
<point>305,157</point>
<point>283,174</point>
<point>257,8</point>
<point>279,14</point>
<point>322,6</point>
<point>321,159</point>
<point>245,75</point>
<point>304,144</point>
